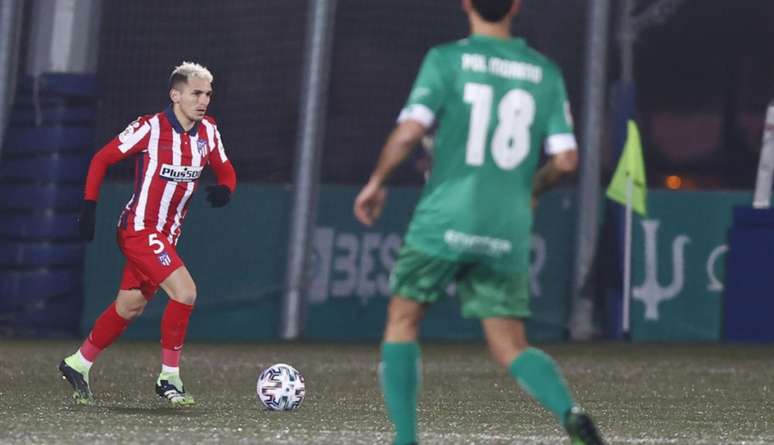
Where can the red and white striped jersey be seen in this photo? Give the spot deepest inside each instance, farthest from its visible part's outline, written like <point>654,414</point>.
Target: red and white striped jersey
<point>169,163</point>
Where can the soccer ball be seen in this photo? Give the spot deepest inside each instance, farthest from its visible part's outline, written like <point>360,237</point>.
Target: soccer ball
<point>281,387</point>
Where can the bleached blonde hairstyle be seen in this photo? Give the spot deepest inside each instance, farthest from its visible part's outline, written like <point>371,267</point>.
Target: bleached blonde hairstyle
<point>187,70</point>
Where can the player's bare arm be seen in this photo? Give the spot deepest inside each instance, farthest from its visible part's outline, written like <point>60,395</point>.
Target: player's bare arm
<point>557,167</point>
<point>401,142</point>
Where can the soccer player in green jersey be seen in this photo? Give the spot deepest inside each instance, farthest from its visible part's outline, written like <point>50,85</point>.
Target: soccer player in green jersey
<point>494,103</point>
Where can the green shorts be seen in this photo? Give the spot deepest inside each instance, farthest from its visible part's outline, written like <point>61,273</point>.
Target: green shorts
<point>484,292</point>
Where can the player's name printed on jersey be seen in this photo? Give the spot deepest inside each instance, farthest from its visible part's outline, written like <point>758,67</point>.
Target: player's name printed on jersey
<point>509,69</point>
<point>477,244</point>
<point>180,173</point>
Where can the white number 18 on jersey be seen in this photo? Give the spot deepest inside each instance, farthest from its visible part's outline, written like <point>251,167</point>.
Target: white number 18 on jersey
<point>511,138</point>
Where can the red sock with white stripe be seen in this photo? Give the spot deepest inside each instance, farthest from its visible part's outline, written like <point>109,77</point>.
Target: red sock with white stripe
<point>107,328</point>
<point>174,324</point>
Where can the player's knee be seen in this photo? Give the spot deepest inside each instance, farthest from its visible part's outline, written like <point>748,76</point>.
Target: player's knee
<point>506,350</point>
<point>402,324</point>
<point>404,315</point>
<point>129,310</point>
<point>504,357</point>
<point>402,321</point>
<point>185,295</point>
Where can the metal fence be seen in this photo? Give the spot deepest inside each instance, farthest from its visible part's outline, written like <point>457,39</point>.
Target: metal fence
<point>255,50</point>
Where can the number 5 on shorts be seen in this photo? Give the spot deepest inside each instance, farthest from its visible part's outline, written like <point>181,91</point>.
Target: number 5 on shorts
<point>153,241</point>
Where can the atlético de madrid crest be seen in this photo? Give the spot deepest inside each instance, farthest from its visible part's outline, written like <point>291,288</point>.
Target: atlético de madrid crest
<point>165,259</point>
<point>201,145</point>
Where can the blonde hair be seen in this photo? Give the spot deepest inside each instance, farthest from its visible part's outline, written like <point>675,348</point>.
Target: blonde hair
<point>186,70</point>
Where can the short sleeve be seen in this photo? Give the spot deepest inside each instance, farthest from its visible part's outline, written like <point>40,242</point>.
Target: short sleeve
<point>427,94</point>
<point>559,134</point>
<point>134,138</point>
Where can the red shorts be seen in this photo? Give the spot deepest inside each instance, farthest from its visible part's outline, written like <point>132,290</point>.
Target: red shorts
<point>150,259</point>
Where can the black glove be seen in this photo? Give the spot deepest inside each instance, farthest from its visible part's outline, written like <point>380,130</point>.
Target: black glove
<point>86,219</point>
<point>218,195</point>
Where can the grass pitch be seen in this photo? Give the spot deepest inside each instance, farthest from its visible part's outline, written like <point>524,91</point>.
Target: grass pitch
<point>638,394</point>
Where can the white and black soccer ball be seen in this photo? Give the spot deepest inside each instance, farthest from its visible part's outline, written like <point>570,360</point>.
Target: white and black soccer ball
<point>281,387</point>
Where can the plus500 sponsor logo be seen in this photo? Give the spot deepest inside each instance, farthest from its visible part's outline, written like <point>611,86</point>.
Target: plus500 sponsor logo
<point>180,173</point>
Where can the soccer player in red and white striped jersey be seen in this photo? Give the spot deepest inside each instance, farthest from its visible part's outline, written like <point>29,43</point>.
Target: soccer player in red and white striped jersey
<point>170,149</point>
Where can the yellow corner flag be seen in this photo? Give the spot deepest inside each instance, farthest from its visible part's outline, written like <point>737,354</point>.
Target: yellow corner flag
<point>630,165</point>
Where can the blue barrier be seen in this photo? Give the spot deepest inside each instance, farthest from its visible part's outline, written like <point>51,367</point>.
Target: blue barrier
<point>33,140</point>
<point>45,157</point>
<point>58,167</point>
<point>39,226</point>
<point>59,113</point>
<point>749,299</point>
<point>40,254</point>
<point>32,288</point>
<point>31,196</point>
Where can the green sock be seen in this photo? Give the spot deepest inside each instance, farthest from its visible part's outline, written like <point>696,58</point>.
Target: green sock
<point>399,373</point>
<point>539,375</point>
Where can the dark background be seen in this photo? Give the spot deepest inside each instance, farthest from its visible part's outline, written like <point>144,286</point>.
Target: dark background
<point>703,78</point>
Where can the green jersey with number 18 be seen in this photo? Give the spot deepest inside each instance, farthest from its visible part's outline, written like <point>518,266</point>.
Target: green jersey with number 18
<point>496,103</point>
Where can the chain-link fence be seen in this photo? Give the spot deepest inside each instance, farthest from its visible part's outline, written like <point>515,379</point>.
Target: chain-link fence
<point>255,50</point>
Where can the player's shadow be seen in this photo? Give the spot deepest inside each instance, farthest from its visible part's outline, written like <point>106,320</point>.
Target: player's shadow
<point>160,411</point>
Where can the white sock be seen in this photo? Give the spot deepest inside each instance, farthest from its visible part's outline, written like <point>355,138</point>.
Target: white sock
<point>87,364</point>
<point>170,369</point>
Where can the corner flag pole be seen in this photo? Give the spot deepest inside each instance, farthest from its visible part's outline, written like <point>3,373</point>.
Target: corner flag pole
<point>629,188</point>
<point>627,272</point>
